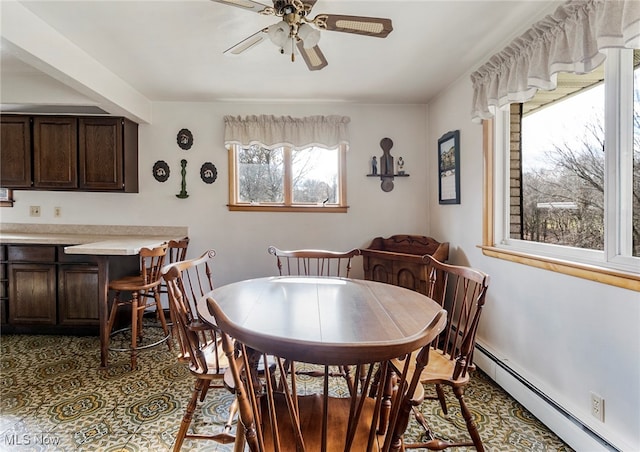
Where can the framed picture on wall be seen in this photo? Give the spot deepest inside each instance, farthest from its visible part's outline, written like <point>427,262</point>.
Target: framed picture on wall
<point>449,168</point>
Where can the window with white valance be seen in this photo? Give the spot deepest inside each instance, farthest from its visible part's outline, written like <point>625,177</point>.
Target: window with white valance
<point>277,131</point>
<point>570,40</point>
<point>281,163</point>
<point>589,178</point>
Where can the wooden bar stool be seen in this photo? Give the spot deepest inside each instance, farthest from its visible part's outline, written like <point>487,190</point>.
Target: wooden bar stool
<point>143,289</point>
<point>176,252</point>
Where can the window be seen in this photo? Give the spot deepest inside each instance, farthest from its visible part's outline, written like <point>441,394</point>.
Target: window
<point>287,164</point>
<point>574,199</point>
<point>562,164</point>
<point>284,178</point>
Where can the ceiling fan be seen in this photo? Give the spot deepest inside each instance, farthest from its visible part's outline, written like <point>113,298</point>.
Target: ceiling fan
<point>297,31</point>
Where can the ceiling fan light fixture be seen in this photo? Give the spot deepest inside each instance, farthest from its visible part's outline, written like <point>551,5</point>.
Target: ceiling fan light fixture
<point>309,35</point>
<point>279,33</point>
<point>289,47</point>
<point>297,33</point>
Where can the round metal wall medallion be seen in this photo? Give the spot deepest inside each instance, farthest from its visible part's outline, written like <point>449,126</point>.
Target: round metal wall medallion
<point>208,173</point>
<point>161,171</point>
<point>185,139</point>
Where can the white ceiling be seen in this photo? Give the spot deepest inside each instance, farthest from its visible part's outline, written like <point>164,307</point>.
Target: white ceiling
<point>172,50</point>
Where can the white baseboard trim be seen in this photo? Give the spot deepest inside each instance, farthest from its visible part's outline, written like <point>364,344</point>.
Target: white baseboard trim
<point>559,420</point>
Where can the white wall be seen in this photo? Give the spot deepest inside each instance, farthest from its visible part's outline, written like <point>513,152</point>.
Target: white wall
<point>566,335</point>
<point>241,238</point>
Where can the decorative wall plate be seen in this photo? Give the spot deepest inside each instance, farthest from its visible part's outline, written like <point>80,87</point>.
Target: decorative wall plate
<point>185,139</point>
<point>208,173</point>
<point>161,171</point>
<point>387,184</point>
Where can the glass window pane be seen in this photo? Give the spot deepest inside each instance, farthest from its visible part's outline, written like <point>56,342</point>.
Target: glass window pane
<point>261,175</point>
<point>636,153</point>
<point>563,167</point>
<point>315,176</point>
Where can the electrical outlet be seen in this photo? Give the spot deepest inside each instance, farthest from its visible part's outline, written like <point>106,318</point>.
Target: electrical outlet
<point>34,211</point>
<point>597,407</point>
<point>57,212</point>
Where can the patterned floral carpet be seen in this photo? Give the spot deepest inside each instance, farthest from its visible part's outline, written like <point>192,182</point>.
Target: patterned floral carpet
<point>55,398</point>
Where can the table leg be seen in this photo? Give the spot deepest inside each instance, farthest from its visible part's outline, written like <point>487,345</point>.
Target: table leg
<point>103,307</point>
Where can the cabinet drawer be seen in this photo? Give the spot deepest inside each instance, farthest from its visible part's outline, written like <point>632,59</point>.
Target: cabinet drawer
<point>31,253</point>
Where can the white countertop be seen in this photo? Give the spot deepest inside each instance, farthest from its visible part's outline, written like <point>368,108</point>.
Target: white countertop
<point>94,240</point>
<point>121,246</point>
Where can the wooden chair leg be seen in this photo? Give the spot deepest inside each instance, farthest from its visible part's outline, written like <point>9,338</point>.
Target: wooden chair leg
<point>135,316</point>
<point>389,381</point>
<point>468,418</point>
<point>238,445</point>
<point>112,314</point>
<point>163,320</point>
<point>441,399</point>
<point>423,422</point>
<point>188,415</point>
<point>233,409</point>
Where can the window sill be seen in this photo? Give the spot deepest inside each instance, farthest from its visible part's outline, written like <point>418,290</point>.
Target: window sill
<point>603,275</point>
<point>267,208</point>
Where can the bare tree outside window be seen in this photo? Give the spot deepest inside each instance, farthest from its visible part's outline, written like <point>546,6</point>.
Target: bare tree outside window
<point>636,154</point>
<point>315,176</point>
<point>563,170</point>
<point>261,175</point>
<point>310,175</point>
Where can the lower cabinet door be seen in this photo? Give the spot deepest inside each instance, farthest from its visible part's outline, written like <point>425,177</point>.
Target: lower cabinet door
<point>32,294</point>
<point>78,294</point>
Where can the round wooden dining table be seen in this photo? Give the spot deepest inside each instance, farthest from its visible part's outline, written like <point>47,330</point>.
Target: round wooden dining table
<point>324,320</point>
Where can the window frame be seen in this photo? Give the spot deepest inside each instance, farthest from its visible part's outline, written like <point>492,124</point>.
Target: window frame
<point>287,205</point>
<point>610,266</point>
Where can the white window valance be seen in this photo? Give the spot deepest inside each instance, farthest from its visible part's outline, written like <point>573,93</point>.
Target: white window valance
<point>569,40</point>
<point>275,131</point>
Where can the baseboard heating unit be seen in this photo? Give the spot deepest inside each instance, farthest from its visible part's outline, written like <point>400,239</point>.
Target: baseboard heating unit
<point>572,430</point>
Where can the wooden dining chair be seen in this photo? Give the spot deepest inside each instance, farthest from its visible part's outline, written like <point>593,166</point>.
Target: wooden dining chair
<point>176,252</point>
<point>200,346</point>
<point>143,288</point>
<point>451,358</point>
<point>277,417</point>
<point>313,262</point>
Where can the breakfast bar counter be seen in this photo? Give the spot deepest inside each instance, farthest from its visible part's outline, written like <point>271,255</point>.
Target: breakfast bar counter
<point>55,277</point>
<point>90,239</point>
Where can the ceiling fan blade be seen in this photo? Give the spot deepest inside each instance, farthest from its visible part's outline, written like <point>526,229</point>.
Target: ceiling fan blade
<point>309,4</point>
<point>248,43</point>
<point>246,4</point>
<point>313,56</point>
<point>361,25</point>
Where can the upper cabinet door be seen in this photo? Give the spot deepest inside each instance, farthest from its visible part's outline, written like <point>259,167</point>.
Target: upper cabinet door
<point>15,152</point>
<point>100,153</point>
<point>55,152</point>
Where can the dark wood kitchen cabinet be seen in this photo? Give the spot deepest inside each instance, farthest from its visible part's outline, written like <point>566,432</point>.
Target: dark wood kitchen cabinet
<point>15,151</point>
<point>4,284</point>
<point>55,152</point>
<point>69,153</point>
<point>107,160</point>
<point>77,289</point>
<point>32,285</point>
<point>51,292</point>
